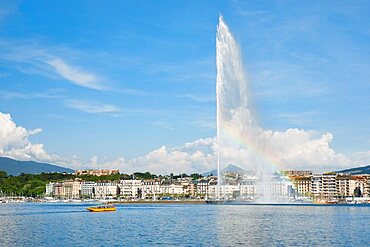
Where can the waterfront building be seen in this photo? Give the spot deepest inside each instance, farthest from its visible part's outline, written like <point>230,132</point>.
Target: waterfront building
<point>212,188</point>
<point>353,184</point>
<point>131,188</point>
<point>249,185</point>
<point>316,184</point>
<point>226,190</point>
<point>231,190</point>
<point>367,187</point>
<point>252,186</point>
<point>49,189</point>
<point>151,187</point>
<point>202,187</point>
<point>324,186</point>
<point>58,190</point>
<point>344,183</point>
<point>72,188</point>
<point>361,182</point>
<point>188,187</point>
<point>248,188</point>
<point>87,189</point>
<point>329,186</point>
<point>301,185</point>
<point>281,187</point>
<point>104,190</point>
<point>171,187</point>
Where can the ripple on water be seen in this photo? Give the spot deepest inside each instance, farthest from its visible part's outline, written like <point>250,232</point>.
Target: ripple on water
<point>183,225</point>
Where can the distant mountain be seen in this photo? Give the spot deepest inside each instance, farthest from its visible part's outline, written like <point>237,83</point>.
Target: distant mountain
<point>356,170</point>
<point>16,167</point>
<point>229,168</point>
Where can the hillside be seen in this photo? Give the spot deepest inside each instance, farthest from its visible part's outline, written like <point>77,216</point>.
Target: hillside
<point>16,167</point>
<point>229,168</point>
<point>356,170</point>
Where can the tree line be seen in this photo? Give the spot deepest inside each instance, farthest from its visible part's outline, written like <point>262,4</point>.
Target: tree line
<point>33,185</point>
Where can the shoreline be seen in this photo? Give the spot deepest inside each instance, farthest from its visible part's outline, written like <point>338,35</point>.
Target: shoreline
<point>186,202</point>
<point>158,202</point>
<point>197,203</point>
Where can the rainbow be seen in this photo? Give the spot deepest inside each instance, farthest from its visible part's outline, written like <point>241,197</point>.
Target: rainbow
<point>251,144</point>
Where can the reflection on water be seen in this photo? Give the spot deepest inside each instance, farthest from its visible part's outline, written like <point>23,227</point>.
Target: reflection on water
<point>293,225</point>
<point>183,225</point>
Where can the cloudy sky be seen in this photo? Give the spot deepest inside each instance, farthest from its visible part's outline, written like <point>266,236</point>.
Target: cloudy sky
<point>131,84</point>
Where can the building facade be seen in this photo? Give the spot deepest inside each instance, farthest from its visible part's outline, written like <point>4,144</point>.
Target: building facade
<point>87,189</point>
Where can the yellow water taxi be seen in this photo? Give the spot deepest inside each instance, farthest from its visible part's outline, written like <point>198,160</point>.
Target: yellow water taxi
<point>102,208</point>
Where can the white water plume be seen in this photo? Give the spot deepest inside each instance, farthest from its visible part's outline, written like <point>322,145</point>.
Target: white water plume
<point>236,125</point>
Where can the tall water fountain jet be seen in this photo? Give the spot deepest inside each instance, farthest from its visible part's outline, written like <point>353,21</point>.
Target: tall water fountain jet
<point>237,129</point>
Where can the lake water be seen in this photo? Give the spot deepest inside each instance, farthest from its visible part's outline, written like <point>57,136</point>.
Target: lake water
<point>30,224</point>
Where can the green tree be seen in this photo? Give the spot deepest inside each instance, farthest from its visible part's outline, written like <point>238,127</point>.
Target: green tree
<point>3,175</point>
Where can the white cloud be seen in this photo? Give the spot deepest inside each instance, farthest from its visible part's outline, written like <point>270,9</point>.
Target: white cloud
<point>299,149</point>
<point>92,107</point>
<point>297,118</point>
<point>362,158</point>
<point>194,156</point>
<point>51,62</point>
<point>291,149</point>
<point>51,94</point>
<point>161,159</point>
<point>163,125</point>
<point>199,99</point>
<point>95,163</point>
<point>75,75</point>
<point>204,123</point>
<point>14,142</point>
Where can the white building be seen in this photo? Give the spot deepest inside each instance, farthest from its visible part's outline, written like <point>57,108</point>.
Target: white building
<point>72,188</point>
<point>248,188</point>
<point>87,188</point>
<point>151,187</point>
<point>281,187</point>
<point>329,185</point>
<point>316,184</point>
<point>105,189</point>
<point>130,188</point>
<point>344,184</point>
<point>58,190</point>
<point>49,189</point>
<point>324,186</point>
<point>302,185</point>
<point>202,187</point>
<point>361,181</point>
<point>171,187</point>
<point>226,190</point>
<point>188,187</point>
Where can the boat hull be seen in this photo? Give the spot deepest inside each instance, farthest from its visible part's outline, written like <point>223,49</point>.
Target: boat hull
<point>99,210</point>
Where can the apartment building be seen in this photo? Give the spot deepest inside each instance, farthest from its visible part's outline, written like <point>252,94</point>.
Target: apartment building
<point>130,188</point>
<point>302,185</point>
<point>87,189</point>
<point>105,189</point>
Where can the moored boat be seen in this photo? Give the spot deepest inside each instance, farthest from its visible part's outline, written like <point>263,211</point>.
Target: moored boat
<point>102,208</point>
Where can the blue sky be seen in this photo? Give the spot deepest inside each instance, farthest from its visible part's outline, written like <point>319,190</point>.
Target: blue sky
<point>124,78</point>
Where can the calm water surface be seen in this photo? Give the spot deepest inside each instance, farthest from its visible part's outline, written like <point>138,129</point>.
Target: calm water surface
<point>184,225</point>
